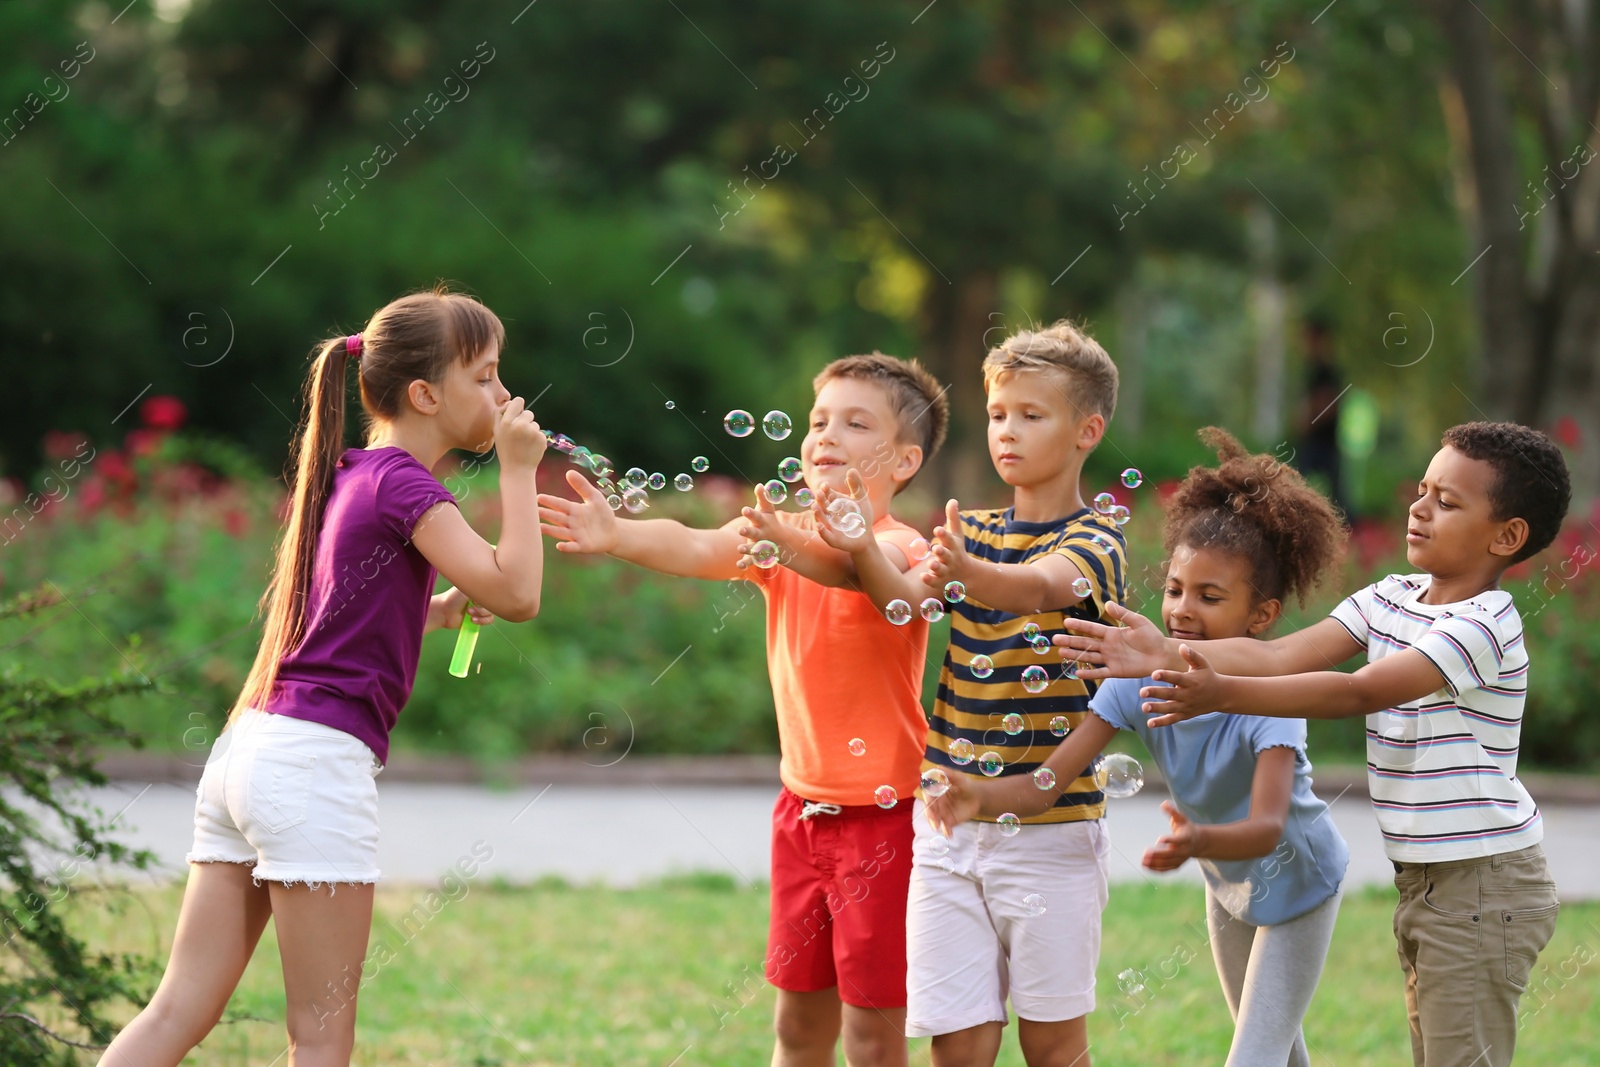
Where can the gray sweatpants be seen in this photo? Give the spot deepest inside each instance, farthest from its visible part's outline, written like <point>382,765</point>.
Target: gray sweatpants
<point>1268,975</point>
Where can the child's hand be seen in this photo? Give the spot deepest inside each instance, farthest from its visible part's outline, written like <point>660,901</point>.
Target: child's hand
<point>587,525</point>
<point>765,525</point>
<point>1132,650</point>
<point>448,608</point>
<point>849,537</point>
<point>950,561</point>
<point>1182,695</point>
<point>518,440</point>
<point>1175,847</point>
<point>957,805</point>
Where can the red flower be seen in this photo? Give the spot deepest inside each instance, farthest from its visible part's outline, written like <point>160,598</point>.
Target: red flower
<point>62,445</point>
<point>143,442</point>
<point>163,413</point>
<point>113,466</point>
<point>1566,431</point>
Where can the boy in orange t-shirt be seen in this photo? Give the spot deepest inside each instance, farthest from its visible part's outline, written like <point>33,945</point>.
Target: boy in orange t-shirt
<point>847,686</point>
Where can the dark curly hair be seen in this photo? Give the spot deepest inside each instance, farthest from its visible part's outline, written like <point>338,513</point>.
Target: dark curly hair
<point>1530,477</point>
<point>1254,506</point>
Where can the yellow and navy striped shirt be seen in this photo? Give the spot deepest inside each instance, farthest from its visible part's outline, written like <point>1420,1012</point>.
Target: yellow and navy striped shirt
<point>973,709</point>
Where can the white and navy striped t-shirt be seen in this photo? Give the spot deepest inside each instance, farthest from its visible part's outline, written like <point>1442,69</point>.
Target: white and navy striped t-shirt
<point>1443,770</point>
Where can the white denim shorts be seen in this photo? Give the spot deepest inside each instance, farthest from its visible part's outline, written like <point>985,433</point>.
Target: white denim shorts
<point>990,916</point>
<point>295,799</point>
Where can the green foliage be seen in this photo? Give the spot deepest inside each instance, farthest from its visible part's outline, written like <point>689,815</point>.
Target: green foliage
<point>51,731</point>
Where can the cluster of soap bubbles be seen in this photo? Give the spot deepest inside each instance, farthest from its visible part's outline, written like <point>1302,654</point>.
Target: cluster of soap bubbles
<point>932,609</point>
<point>740,423</point>
<point>1107,505</point>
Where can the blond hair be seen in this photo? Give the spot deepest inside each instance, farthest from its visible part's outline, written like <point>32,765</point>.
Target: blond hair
<point>1064,348</point>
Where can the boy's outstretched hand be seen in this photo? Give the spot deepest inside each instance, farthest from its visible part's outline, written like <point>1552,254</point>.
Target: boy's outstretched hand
<point>951,562</point>
<point>838,535</point>
<point>1132,650</point>
<point>1180,695</point>
<point>956,805</point>
<point>586,525</point>
<point>1176,846</point>
<point>763,524</point>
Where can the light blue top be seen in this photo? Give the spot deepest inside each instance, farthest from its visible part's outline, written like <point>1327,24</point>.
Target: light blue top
<point>1210,764</point>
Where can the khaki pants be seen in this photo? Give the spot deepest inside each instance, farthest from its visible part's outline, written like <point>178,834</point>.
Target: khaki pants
<point>1468,932</point>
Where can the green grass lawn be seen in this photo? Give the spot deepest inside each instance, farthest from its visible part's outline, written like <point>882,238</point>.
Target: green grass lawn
<point>558,974</point>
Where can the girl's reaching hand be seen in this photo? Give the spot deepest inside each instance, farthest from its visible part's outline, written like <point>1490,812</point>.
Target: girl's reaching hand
<point>1180,695</point>
<point>1176,846</point>
<point>1134,649</point>
<point>586,525</point>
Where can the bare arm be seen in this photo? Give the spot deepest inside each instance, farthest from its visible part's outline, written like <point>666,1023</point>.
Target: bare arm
<point>1255,835</point>
<point>1390,682</point>
<point>1015,588</point>
<point>1019,794</point>
<point>1137,649</point>
<point>505,578</point>
<point>589,526</point>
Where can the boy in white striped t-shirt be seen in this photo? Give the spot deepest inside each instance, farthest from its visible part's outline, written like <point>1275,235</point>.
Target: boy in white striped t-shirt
<point>1443,691</point>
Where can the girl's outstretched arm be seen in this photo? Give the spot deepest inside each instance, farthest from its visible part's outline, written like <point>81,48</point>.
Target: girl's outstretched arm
<point>1255,835</point>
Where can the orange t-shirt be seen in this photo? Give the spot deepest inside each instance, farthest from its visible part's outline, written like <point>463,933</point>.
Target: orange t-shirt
<point>841,671</point>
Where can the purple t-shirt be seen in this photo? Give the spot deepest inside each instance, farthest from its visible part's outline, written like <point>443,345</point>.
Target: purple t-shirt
<point>354,668</point>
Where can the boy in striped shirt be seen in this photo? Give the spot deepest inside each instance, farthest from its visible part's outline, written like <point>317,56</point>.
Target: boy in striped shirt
<point>1443,692</point>
<point>1012,908</point>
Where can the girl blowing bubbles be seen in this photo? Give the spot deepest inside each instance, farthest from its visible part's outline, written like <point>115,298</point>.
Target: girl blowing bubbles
<point>286,820</point>
<point>1241,537</point>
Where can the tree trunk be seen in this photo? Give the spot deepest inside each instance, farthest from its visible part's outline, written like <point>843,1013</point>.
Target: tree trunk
<point>957,332</point>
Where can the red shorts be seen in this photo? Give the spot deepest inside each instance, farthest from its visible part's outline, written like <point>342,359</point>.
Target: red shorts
<point>839,884</point>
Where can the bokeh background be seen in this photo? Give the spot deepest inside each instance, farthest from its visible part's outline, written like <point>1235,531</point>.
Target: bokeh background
<point>1335,230</point>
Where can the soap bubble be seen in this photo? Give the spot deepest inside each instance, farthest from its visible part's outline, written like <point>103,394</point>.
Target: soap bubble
<point>700,464</point>
<point>1033,903</point>
<point>1030,631</point>
<point>991,764</point>
<point>1081,588</point>
<point>606,485</point>
<point>1119,775</point>
<point>563,444</point>
<point>636,477</point>
<point>804,497</point>
<point>1069,670</point>
<point>961,752</point>
<point>600,464</point>
<point>615,502</point>
<point>934,783</point>
<point>852,524</point>
<point>1100,540</point>
<point>764,554</point>
<point>670,405</point>
<point>789,469</point>
<point>1009,825</point>
<point>918,549</point>
<point>857,747</point>
<point>1059,726</point>
<point>1011,723</point>
<point>776,425</point>
<point>1128,981</point>
<point>658,481</point>
<point>982,666</point>
<point>1131,477</point>
<point>1040,645</point>
<point>897,612</point>
<point>955,592</point>
<point>1104,502</point>
<point>939,845</point>
<point>1120,515</point>
<point>739,423</point>
<point>683,482</point>
<point>933,609</point>
<point>581,456</point>
<point>777,492</point>
<point>1034,679</point>
<point>1044,778</point>
<point>885,796</point>
<point>635,500</point>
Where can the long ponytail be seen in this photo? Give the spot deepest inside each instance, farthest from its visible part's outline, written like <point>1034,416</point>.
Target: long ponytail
<point>318,445</point>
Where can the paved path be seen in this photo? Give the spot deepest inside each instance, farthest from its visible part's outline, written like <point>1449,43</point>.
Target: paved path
<point>623,834</point>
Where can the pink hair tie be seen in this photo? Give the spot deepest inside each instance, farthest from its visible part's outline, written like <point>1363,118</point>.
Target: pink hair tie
<point>352,345</point>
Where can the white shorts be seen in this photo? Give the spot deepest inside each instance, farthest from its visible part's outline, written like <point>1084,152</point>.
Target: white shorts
<point>975,931</point>
<point>296,799</point>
